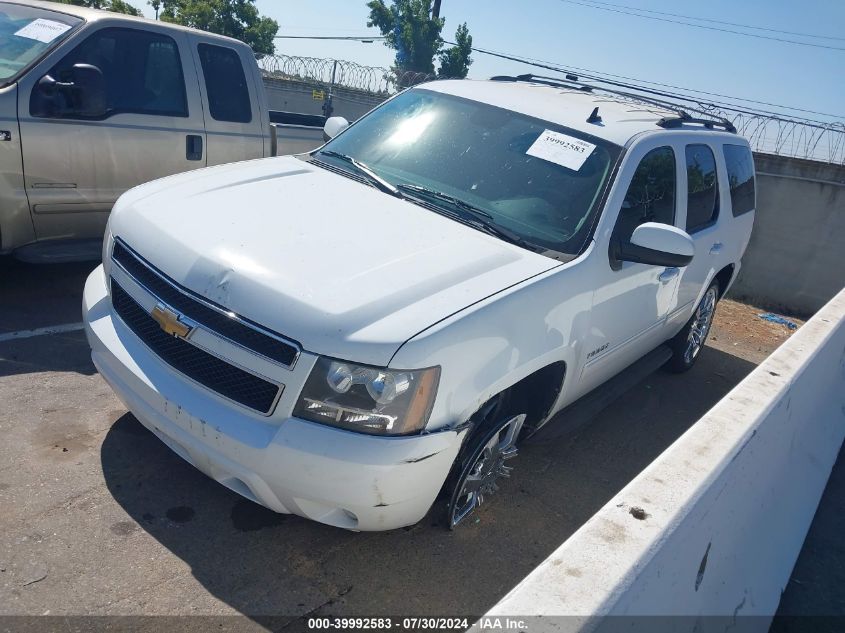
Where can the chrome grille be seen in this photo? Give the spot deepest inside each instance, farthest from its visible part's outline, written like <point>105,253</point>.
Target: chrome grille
<point>208,370</point>
<point>212,317</point>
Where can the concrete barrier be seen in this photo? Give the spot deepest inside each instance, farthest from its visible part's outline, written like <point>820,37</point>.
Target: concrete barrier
<point>714,525</point>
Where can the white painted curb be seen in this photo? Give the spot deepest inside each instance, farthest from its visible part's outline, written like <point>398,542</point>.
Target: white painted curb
<point>727,506</point>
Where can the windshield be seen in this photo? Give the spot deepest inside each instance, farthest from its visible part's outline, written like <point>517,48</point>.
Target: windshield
<point>538,180</point>
<point>25,33</point>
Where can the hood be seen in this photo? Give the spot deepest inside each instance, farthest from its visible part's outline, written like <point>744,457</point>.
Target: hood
<point>346,270</point>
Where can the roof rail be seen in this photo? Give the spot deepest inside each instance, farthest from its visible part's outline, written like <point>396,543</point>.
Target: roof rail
<point>676,122</point>
<point>549,81</point>
<point>573,82</point>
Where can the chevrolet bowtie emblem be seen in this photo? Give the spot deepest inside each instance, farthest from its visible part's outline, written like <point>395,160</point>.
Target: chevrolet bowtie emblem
<point>169,321</point>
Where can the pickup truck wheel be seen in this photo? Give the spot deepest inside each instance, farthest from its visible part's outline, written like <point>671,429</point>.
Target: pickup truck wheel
<point>481,467</point>
<point>689,341</point>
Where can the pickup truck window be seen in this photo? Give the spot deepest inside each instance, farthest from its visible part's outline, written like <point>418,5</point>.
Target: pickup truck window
<point>26,33</point>
<point>651,194</point>
<point>740,166</point>
<point>533,178</point>
<point>702,190</point>
<point>225,83</point>
<point>142,74</point>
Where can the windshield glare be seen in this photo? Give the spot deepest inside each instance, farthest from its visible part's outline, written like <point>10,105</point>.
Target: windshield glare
<point>25,33</point>
<point>535,178</point>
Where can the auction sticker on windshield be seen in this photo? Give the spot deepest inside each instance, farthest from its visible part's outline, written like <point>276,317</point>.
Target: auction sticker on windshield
<point>561,149</point>
<point>43,30</point>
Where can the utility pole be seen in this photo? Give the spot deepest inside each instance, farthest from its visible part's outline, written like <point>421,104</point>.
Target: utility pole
<point>435,12</point>
<point>328,106</point>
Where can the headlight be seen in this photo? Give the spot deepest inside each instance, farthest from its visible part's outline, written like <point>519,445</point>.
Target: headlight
<point>368,399</point>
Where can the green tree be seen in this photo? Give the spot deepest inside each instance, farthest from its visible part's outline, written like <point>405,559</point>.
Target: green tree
<point>236,18</point>
<point>455,61</point>
<point>410,29</point>
<point>118,6</point>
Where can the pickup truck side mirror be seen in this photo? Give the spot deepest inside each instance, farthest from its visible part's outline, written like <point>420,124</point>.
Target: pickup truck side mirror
<point>658,245</point>
<point>84,96</point>
<point>334,126</point>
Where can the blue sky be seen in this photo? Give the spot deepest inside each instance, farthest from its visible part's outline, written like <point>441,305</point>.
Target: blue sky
<point>569,34</point>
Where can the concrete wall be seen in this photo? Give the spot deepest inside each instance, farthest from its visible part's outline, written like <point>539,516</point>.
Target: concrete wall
<point>297,96</point>
<point>795,261</point>
<point>714,525</point>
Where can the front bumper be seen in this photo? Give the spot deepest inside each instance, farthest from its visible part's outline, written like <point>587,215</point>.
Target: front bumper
<point>345,479</point>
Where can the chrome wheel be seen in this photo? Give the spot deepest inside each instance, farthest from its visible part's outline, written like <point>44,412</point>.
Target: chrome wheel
<point>700,327</point>
<point>485,466</point>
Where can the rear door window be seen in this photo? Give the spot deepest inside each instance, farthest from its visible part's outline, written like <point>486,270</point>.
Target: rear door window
<point>225,83</point>
<point>702,188</point>
<point>740,167</point>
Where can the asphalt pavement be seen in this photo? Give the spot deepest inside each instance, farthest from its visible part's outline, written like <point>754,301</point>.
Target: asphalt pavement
<point>99,517</point>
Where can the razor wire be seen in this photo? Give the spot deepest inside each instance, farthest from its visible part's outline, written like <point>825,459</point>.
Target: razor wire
<point>767,132</point>
<point>772,133</point>
<point>373,80</point>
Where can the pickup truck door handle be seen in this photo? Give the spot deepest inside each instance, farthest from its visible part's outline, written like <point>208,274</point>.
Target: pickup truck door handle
<point>193,147</point>
<point>716,248</point>
<point>668,275</point>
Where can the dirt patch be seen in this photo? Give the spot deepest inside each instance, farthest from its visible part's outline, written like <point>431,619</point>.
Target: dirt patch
<point>739,330</point>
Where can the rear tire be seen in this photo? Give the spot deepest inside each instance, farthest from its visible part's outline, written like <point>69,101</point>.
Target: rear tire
<point>688,343</point>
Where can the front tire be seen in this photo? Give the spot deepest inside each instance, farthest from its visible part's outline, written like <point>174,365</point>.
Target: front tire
<point>482,465</point>
<point>688,343</point>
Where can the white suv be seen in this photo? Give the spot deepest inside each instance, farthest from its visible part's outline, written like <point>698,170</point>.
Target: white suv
<point>348,334</point>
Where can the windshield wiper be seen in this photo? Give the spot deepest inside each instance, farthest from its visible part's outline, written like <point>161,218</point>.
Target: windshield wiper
<point>477,217</point>
<point>445,197</point>
<point>372,176</point>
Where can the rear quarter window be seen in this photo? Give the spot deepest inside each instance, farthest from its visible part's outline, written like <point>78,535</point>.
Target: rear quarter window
<point>740,166</point>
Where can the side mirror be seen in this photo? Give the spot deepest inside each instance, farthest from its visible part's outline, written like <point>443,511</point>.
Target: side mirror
<point>334,126</point>
<point>47,87</point>
<point>90,89</point>
<point>658,245</point>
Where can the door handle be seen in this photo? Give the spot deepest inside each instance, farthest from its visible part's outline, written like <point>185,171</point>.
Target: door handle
<point>668,275</point>
<point>193,147</point>
<point>716,248</point>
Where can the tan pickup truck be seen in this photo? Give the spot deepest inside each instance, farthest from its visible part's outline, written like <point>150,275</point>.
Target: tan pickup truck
<point>94,103</point>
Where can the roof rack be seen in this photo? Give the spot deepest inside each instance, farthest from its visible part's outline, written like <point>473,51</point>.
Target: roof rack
<point>573,82</point>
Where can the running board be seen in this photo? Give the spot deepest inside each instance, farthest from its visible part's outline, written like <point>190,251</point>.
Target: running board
<point>587,407</point>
